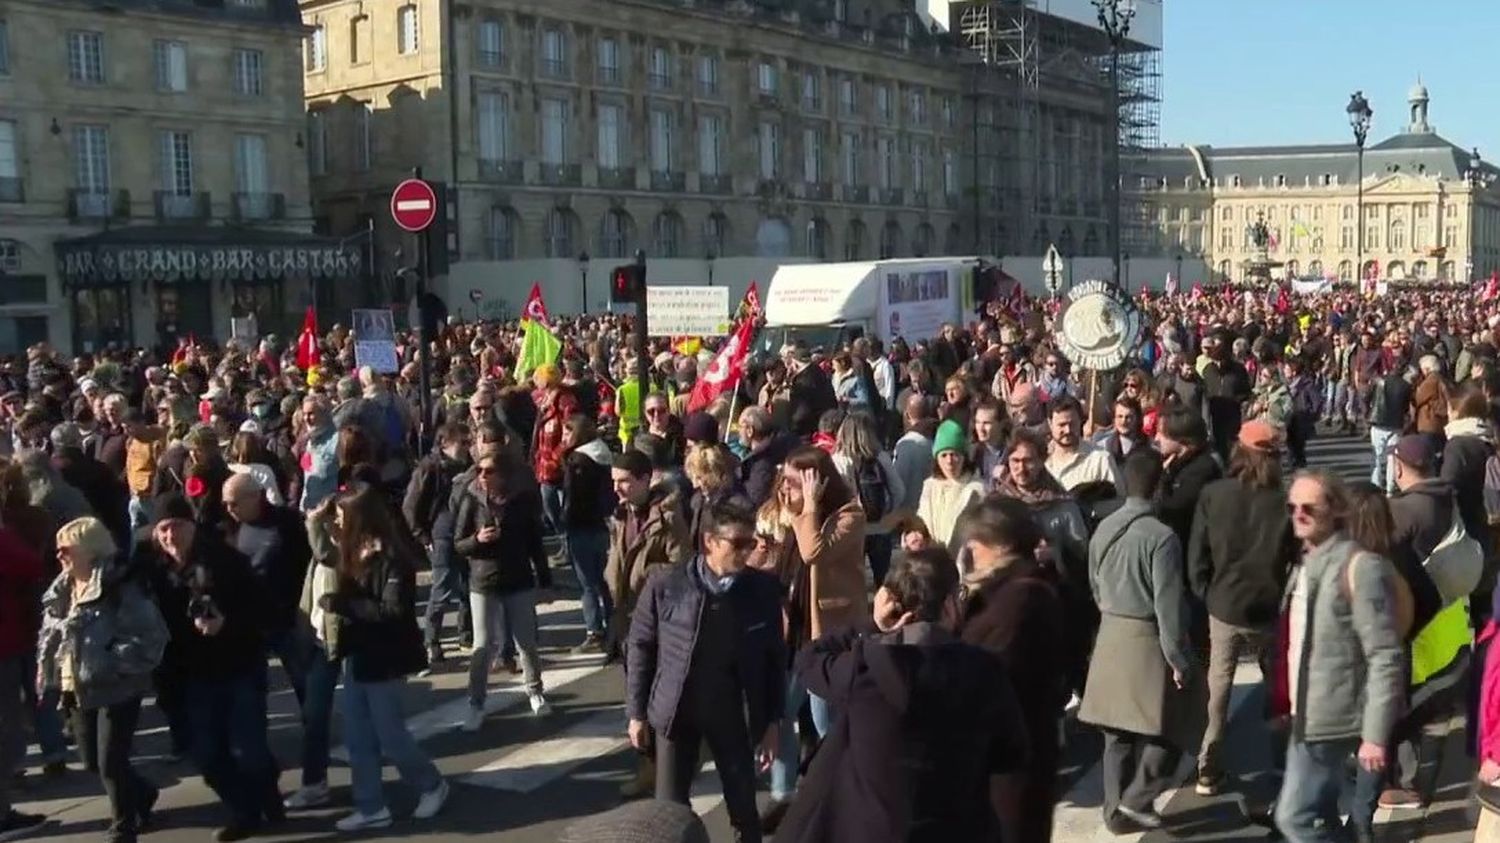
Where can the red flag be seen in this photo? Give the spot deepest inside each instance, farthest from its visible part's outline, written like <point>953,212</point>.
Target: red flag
<point>1197,290</point>
<point>307,341</point>
<point>536,309</point>
<point>1283,304</point>
<point>723,374</point>
<point>752,298</point>
<point>1492,287</point>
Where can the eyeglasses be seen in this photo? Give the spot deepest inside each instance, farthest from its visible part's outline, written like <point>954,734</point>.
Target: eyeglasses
<point>1311,510</point>
<point>740,543</point>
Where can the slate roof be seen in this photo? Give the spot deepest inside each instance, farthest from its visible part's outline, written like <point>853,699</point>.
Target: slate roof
<point>275,12</point>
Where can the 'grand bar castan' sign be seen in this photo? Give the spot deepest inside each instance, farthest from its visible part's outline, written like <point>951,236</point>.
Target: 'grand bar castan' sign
<point>93,263</point>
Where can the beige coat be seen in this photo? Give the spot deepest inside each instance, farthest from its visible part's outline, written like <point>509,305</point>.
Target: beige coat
<point>834,552</point>
<point>662,542</point>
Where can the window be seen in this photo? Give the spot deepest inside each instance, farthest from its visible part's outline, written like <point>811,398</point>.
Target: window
<point>362,151</point>
<point>407,31</point>
<point>948,111</point>
<point>663,141</point>
<point>917,105</point>
<point>86,57</point>
<point>250,174</point>
<point>1280,180</point>
<point>883,101</point>
<point>812,155</point>
<point>611,136</point>
<point>666,234</point>
<point>316,50</point>
<point>170,58</point>
<point>1347,212</point>
<point>491,43</point>
<point>1450,211</point>
<point>708,75</point>
<point>848,97</point>
<point>1396,241</point>
<point>769,141</point>
<point>812,91</point>
<point>561,232</point>
<point>359,39</point>
<point>91,158</point>
<point>1372,237</point>
<point>176,163</point>
<point>765,79</point>
<point>1346,237</point>
<point>4,48</point>
<point>247,78</point>
<point>1226,238</point>
<point>1450,237</point>
<point>711,145</point>
<point>554,54</point>
<point>919,155</point>
<point>950,173</point>
<point>502,234</point>
<point>817,239</point>
<point>1234,181</point>
<point>317,144</point>
<point>494,126</point>
<point>609,61</point>
<point>854,241</point>
<point>715,234</point>
<point>10,256</point>
<point>554,131</point>
<point>885,153</point>
<point>614,234</point>
<point>10,164</point>
<point>890,240</point>
<point>1422,211</point>
<point>661,69</point>
<point>849,152</point>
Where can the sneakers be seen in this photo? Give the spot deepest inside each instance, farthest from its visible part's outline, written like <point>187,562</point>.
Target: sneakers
<point>1074,701</point>
<point>474,719</point>
<point>1209,784</point>
<point>309,796</point>
<point>1130,821</point>
<point>1400,799</point>
<point>361,822</point>
<point>539,705</point>
<point>431,802</point>
<point>16,825</point>
<point>592,643</point>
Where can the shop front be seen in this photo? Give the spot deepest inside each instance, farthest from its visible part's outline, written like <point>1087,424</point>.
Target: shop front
<point>146,286</point>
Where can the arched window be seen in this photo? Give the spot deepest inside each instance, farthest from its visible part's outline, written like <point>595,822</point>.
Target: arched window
<point>773,238</point>
<point>615,234</point>
<point>954,241</point>
<point>817,238</point>
<point>715,234</point>
<point>1369,267</point>
<point>921,241</point>
<point>1346,270</point>
<point>1395,270</point>
<point>854,241</point>
<point>666,235</point>
<point>562,233</point>
<point>1397,236</point>
<point>1445,271</point>
<point>1291,269</point>
<point>1224,269</point>
<point>500,240</point>
<point>1315,269</point>
<point>1419,270</point>
<point>890,240</point>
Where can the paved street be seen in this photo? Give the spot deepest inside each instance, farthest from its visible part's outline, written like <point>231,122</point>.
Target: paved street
<point>524,778</point>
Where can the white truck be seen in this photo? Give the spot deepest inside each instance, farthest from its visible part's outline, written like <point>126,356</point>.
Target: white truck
<point>909,298</point>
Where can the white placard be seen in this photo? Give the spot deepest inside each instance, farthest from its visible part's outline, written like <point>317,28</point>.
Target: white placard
<point>687,311</point>
<point>244,330</point>
<point>375,340</point>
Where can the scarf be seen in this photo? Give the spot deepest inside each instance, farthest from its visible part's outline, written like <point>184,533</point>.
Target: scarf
<point>1468,427</point>
<point>715,584</point>
<point>1047,490</point>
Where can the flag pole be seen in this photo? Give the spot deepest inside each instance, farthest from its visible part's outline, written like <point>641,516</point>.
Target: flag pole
<point>734,398</point>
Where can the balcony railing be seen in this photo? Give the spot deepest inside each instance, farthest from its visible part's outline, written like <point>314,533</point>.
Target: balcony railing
<point>561,175</point>
<point>554,68</point>
<point>660,81</point>
<point>181,206</point>
<point>258,206</point>
<point>819,191</point>
<point>708,88</point>
<point>610,75</point>
<point>813,104</point>
<point>86,204</point>
<point>617,178</point>
<point>492,59</point>
<point>857,193</point>
<point>500,170</point>
<point>721,184</point>
<point>12,189</point>
<point>891,196</point>
<point>668,182</point>
<point>951,200</point>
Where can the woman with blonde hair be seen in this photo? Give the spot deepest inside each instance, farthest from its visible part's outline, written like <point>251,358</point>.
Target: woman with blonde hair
<point>101,638</point>
<point>714,474</point>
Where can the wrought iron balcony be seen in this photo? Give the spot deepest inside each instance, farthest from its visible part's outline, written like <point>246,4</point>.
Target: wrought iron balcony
<point>561,175</point>
<point>857,193</point>
<point>891,196</point>
<point>258,206</point>
<point>555,69</point>
<point>919,198</point>
<point>721,184</point>
<point>611,76</point>
<point>89,205</point>
<point>659,81</point>
<point>819,191</point>
<point>617,178</point>
<point>668,182</point>
<point>500,170</point>
<point>181,206</point>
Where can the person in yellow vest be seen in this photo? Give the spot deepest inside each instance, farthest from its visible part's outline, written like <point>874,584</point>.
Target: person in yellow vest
<point>628,402</point>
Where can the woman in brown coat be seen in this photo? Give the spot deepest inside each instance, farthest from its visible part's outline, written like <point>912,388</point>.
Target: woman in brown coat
<point>1429,400</point>
<point>1011,608</point>
<point>823,564</point>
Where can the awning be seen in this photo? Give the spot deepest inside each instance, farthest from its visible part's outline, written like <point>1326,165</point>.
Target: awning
<point>210,253</point>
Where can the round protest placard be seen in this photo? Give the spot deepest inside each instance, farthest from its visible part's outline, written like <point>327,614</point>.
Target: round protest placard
<point>1098,326</point>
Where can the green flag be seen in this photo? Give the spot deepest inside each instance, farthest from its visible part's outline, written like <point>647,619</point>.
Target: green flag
<point>538,346</point>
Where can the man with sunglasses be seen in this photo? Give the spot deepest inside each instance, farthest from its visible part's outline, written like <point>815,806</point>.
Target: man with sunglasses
<point>707,664</point>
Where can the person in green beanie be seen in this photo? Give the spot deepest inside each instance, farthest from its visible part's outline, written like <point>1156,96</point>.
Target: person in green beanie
<point>952,486</point>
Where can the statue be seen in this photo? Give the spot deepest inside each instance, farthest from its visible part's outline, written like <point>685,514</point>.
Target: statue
<point>1260,233</point>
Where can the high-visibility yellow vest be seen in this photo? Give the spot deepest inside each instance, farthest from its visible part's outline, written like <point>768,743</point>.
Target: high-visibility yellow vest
<point>628,408</point>
<point>1440,642</point>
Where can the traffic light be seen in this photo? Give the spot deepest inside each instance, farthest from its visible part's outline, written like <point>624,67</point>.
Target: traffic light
<point>627,284</point>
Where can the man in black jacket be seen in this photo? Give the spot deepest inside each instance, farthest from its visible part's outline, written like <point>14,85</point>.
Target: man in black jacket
<point>426,509</point>
<point>1189,466</point>
<point>588,500</point>
<point>104,489</point>
<point>1389,400</point>
<point>707,664</point>
<point>1226,386</point>
<point>768,447</point>
<point>274,540</point>
<point>811,392</point>
<point>214,608</point>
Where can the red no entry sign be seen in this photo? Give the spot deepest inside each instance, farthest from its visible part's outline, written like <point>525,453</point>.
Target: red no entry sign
<point>413,205</point>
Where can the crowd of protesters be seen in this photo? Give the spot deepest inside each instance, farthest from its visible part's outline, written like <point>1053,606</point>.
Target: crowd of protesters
<point>883,578</point>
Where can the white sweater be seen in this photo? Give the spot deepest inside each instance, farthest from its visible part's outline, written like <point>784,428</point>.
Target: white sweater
<point>942,502</point>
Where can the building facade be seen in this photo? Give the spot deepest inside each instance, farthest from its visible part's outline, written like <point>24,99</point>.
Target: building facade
<point>1431,211</point>
<point>820,131</point>
<point>151,182</point>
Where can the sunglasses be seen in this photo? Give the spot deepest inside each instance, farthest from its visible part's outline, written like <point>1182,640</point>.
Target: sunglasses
<point>1310,510</point>
<point>741,543</point>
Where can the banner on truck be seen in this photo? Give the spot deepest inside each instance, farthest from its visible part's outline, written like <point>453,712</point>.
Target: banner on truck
<point>687,311</point>
<point>917,303</point>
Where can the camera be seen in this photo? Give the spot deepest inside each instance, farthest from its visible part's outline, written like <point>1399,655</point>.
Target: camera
<point>202,607</point>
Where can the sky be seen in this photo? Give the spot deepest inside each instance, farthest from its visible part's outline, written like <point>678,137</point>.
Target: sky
<point>1241,72</point>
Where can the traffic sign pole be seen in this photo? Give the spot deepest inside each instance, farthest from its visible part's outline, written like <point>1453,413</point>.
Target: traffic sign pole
<point>408,211</point>
<point>640,335</point>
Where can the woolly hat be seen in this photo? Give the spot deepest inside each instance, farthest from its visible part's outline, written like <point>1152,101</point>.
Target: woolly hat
<point>949,437</point>
<point>647,821</point>
<point>700,427</point>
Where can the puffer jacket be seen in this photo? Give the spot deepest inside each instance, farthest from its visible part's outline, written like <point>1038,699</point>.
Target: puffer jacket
<point>115,636</point>
<point>516,560</point>
<point>1351,681</point>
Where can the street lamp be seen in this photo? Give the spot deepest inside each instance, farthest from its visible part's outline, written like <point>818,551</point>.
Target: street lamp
<point>709,259</point>
<point>1359,120</point>
<point>1114,19</point>
<point>1178,275</point>
<point>1125,258</point>
<point>583,282</point>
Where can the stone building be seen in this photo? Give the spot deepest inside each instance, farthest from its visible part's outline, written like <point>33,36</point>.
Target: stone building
<point>825,130</point>
<point>1431,210</point>
<point>150,180</point>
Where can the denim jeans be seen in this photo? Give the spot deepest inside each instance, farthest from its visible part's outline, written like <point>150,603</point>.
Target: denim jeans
<point>290,647</point>
<point>375,729</point>
<point>1310,791</point>
<point>317,716</point>
<point>450,584</point>
<point>552,508</point>
<point>491,614</point>
<point>788,756</point>
<point>228,722</point>
<point>588,551</point>
<point>1381,441</point>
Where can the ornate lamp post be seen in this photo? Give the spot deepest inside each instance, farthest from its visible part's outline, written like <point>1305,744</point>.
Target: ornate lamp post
<point>1359,120</point>
<point>583,282</point>
<point>1478,180</point>
<point>709,259</point>
<point>1114,19</point>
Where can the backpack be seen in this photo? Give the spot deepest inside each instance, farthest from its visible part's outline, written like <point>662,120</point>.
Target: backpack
<point>873,489</point>
<point>1457,563</point>
<point>1401,596</point>
<point>1492,487</point>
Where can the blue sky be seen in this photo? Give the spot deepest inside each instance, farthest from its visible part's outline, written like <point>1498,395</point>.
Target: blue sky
<point>1239,72</point>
